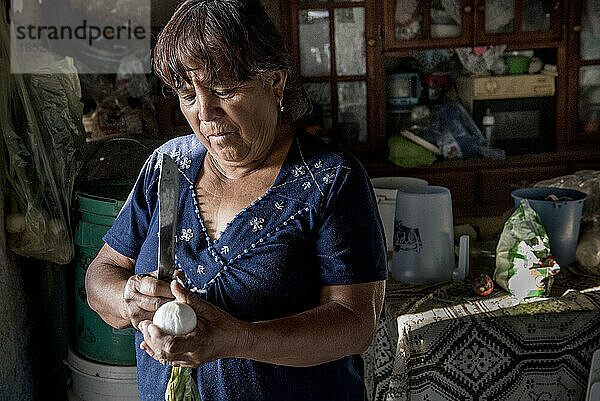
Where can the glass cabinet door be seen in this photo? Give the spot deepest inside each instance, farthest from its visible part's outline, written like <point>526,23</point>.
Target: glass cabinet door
<point>590,31</point>
<point>589,72</point>
<point>589,100</point>
<point>583,103</point>
<point>332,54</point>
<point>516,21</point>
<point>408,20</point>
<point>414,23</point>
<point>315,50</point>
<point>536,15</point>
<point>446,19</point>
<point>499,16</point>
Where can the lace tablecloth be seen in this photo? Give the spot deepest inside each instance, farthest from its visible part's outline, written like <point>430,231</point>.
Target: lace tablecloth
<point>455,345</point>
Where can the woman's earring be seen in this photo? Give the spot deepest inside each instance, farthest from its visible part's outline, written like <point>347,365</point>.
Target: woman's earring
<point>281,105</point>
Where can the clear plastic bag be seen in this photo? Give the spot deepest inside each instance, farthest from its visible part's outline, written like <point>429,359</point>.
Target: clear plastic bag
<point>587,253</point>
<point>42,140</point>
<point>452,129</point>
<point>586,181</point>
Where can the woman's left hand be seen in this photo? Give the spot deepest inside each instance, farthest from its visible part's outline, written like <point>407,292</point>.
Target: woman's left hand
<point>217,334</point>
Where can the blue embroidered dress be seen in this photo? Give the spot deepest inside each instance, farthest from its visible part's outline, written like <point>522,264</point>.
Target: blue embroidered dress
<point>317,225</point>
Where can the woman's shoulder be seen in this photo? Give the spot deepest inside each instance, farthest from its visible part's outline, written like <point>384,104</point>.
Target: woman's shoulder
<point>184,150</point>
<point>315,152</point>
<point>180,146</point>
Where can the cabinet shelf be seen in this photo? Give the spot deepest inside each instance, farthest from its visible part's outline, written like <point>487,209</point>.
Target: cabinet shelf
<point>482,187</point>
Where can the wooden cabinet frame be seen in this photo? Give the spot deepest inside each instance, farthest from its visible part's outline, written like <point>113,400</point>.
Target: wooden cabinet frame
<point>391,43</point>
<point>517,36</point>
<point>473,28</point>
<point>574,137</point>
<point>373,48</point>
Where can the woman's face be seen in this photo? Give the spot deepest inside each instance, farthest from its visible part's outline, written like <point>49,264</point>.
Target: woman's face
<point>237,123</point>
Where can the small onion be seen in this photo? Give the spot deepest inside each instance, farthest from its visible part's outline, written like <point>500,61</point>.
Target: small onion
<point>15,223</point>
<point>483,285</point>
<point>175,318</point>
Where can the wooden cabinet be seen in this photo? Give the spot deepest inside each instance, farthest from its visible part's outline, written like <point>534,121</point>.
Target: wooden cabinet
<point>343,50</point>
<point>519,22</point>
<point>335,49</point>
<point>420,24</point>
<point>583,74</point>
<point>456,23</point>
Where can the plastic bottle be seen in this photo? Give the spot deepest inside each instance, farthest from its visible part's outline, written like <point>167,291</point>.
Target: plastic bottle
<point>488,126</point>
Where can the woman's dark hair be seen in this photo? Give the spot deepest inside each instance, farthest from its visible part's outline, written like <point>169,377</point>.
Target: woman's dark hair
<point>228,41</point>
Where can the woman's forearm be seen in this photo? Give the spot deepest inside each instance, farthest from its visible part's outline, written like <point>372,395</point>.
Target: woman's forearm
<point>105,294</point>
<point>323,334</point>
<point>105,282</point>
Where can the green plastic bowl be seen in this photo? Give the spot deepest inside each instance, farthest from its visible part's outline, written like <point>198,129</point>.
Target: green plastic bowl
<point>516,65</point>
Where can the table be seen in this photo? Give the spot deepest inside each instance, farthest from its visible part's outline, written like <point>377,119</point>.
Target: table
<point>455,345</point>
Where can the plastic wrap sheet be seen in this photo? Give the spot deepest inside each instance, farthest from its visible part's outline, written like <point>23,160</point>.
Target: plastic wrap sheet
<point>587,253</point>
<point>42,140</point>
<point>452,129</point>
<point>586,181</point>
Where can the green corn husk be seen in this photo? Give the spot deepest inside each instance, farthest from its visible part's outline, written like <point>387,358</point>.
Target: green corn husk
<point>181,386</point>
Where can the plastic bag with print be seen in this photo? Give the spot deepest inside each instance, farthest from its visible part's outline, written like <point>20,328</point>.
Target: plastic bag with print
<point>524,265</point>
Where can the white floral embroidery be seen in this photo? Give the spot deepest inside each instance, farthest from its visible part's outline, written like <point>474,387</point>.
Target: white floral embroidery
<point>185,163</point>
<point>279,205</point>
<point>174,154</point>
<point>186,234</point>
<point>158,163</point>
<point>328,178</point>
<point>200,269</point>
<point>318,164</point>
<point>256,223</point>
<point>306,185</point>
<point>224,250</point>
<point>298,171</point>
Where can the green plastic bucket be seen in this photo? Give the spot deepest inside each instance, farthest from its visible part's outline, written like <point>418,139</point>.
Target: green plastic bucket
<point>97,205</point>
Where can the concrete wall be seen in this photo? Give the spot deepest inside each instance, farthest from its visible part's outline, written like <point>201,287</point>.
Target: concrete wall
<point>34,329</point>
<point>15,351</point>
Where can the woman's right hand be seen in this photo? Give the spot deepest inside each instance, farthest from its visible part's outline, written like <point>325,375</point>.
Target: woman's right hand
<point>143,295</point>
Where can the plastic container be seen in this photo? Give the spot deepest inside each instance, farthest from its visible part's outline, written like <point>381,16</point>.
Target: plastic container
<point>423,242</point>
<point>385,192</point>
<point>517,65</point>
<point>91,381</point>
<point>97,205</point>
<point>488,126</point>
<point>561,218</point>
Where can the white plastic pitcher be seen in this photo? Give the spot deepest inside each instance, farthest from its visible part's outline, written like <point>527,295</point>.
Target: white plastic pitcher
<point>423,243</point>
<point>385,192</point>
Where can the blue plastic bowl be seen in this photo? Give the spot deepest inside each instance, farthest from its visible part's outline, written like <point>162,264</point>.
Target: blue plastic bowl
<point>561,218</point>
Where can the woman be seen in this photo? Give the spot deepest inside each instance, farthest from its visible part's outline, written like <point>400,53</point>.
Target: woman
<point>279,241</point>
